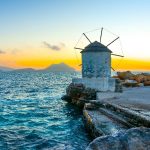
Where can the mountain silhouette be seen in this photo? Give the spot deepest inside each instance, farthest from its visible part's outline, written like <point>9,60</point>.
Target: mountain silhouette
<point>5,68</point>
<point>62,67</point>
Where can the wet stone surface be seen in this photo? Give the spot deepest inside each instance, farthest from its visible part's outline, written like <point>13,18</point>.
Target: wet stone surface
<point>99,124</point>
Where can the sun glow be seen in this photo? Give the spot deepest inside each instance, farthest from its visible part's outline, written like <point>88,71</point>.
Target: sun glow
<point>40,61</point>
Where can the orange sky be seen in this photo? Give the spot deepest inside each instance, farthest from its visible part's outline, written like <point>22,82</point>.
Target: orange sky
<point>36,61</point>
<point>39,57</point>
<point>131,64</point>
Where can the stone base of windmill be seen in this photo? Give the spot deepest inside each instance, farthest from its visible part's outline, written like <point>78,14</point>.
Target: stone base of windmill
<point>81,91</point>
<point>100,84</point>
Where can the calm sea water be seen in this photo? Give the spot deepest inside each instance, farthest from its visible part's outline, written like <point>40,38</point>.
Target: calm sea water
<point>32,115</point>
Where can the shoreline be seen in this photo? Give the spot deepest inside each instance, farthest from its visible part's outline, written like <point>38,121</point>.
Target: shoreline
<point>113,114</point>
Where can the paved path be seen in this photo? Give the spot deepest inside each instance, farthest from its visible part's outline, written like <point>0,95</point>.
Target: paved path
<point>137,95</point>
<point>135,99</point>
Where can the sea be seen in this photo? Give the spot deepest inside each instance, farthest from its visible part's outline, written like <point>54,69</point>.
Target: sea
<point>33,116</point>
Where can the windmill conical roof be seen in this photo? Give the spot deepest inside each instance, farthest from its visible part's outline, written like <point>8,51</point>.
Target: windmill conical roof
<point>96,47</point>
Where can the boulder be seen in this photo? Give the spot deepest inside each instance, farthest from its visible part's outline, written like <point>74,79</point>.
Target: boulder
<point>147,78</point>
<point>128,79</point>
<point>147,83</point>
<point>130,83</point>
<point>116,77</point>
<point>90,106</point>
<point>140,84</point>
<point>145,74</point>
<point>140,78</point>
<point>66,98</point>
<point>75,90</point>
<point>132,139</point>
<point>77,93</point>
<point>125,75</point>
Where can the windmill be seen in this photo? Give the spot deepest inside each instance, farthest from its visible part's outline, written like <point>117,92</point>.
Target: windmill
<point>96,56</point>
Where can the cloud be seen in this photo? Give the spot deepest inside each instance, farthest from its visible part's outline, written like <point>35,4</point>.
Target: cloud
<point>2,52</point>
<point>54,47</point>
<point>14,51</point>
<point>62,44</point>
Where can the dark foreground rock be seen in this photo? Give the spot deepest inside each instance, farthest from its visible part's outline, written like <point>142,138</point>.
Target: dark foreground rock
<point>132,139</point>
<point>77,94</point>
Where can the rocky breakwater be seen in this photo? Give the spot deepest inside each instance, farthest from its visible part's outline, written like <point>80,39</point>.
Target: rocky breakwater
<point>78,94</point>
<point>130,79</point>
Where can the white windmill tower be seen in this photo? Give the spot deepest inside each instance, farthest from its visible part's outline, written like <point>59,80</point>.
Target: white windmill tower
<point>96,65</point>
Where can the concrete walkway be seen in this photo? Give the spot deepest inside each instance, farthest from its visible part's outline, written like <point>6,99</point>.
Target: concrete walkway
<point>137,99</point>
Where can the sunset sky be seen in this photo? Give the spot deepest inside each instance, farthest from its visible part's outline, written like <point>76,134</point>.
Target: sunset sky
<point>38,33</point>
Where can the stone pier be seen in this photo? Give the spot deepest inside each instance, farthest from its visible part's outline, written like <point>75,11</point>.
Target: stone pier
<point>116,114</point>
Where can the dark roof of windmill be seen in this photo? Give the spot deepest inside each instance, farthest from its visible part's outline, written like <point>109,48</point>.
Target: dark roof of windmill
<point>96,47</point>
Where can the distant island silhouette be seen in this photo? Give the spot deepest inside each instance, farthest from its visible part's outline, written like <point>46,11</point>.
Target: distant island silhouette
<point>2,68</point>
<point>61,67</point>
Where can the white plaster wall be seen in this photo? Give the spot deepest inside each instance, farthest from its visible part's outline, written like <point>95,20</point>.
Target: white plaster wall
<point>107,95</point>
<point>99,84</point>
<point>96,64</point>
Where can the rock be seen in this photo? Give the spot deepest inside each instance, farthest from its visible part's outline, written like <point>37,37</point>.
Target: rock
<point>129,79</point>
<point>116,77</point>
<point>130,83</point>
<point>78,93</point>
<point>66,98</point>
<point>89,94</point>
<point>75,90</point>
<point>146,74</point>
<point>140,78</point>
<point>132,139</point>
<point>125,75</point>
<point>140,84</point>
<point>90,106</point>
<point>147,83</point>
<point>147,78</point>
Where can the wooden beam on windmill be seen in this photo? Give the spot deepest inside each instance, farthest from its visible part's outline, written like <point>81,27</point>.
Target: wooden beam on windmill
<point>87,37</point>
<point>101,35</point>
<point>117,55</point>
<point>112,41</point>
